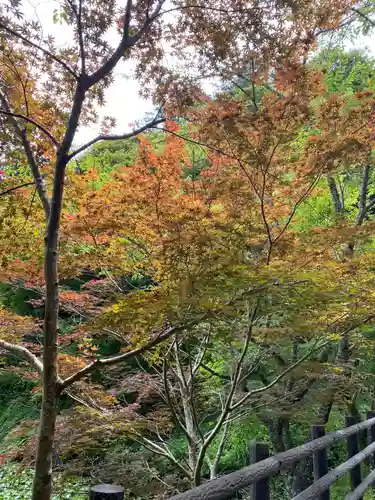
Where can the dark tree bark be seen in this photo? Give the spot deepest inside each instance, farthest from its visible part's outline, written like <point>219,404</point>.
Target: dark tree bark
<point>43,468</point>
<point>362,203</point>
<point>337,201</point>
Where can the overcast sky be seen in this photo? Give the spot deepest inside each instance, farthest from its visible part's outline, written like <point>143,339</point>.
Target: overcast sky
<point>123,101</point>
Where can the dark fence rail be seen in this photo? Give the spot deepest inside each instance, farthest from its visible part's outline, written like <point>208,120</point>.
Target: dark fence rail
<point>258,474</point>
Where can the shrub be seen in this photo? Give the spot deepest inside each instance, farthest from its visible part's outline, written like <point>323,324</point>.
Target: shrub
<point>15,484</point>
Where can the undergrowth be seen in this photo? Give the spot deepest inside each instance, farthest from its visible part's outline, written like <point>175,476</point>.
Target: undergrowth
<point>15,484</point>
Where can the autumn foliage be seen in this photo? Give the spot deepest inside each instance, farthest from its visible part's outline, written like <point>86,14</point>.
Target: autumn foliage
<point>210,242</point>
<point>201,240</point>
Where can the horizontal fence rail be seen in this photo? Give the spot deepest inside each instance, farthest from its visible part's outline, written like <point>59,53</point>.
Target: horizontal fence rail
<point>257,475</point>
<point>362,488</point>
<point>226,486</point>
<point>326,481</point>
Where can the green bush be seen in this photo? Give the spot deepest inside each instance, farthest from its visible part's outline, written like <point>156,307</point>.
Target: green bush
<point>17,403</point>
<point>236,450</point>
<point>15,484</point>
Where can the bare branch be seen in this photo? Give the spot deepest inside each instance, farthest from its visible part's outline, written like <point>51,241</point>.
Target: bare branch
<point>296,205</point>
<point>365,16</point>
<point>155,448</point>
<point>28,213</point>
<point>199,359</point>
<point>245,348</point>
<point>36,124</point>
<point>253,85</point>
<point>261,197</point>
<point>180,371</point>
<point>228,403</point>
<point>204,7</point>
<point>170,402</point>
<point>25,184</point>
<point>78,15</point>
<point>38,47</point>
<point>23,353</point>
<point>215,373</point>
<point>80,37</point>
<point>280,376</point>
<point>254,368</point>
<point>127,135</point>
<point>34,167</point>
<point>161,337</point>
<point>127,41</point>
<point>241,88</point>
<point>274,91</point>
<point>344,23</point>
<point>191,380</point>
<point>202,144</point>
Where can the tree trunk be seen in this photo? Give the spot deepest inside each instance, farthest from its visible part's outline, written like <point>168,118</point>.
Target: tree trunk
<point>191,429</point>
<point>43,467</point>
<point>301,472</point>
<point>42,485</point>
<point>337,202</point>
<point>275,426</point>
<point>215,465</point>
<point>325,409</point>
<point>362,203</point>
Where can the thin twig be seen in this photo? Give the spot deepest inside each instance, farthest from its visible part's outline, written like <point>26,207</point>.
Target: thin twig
<point>33,122</point>
<point>114,137</point>
<point>38,47</point>
<point>10,190</point>
<point>34,167</point>
<point>365,16</point>
<point>28,213</point>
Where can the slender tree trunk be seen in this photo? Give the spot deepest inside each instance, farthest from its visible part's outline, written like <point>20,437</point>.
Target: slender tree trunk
<point>215,465</point>
<point>186,387</point>
<point>362,209</point>
<point>275,426</point>
<point>43,467</point>
<point>192,431</point>
<point>342,357</point>
<point>337,202</point>
<point>362,203</point>
<point>325,409</point>
<point>42,486</point>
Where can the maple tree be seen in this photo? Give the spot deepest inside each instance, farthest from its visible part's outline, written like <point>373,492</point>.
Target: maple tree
<point>210,249</point>
<point>196,239</point>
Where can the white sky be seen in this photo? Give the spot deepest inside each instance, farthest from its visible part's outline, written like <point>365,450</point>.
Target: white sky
<point>122,98</point>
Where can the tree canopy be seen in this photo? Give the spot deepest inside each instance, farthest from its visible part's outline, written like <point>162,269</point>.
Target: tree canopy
<point>216,259</point>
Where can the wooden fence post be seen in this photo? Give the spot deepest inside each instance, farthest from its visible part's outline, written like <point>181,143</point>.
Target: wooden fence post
<point>353,449</point>
<point>371,438</point>
<point>320,460</point>
<point>261,489</point>
<point>107,492</point>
